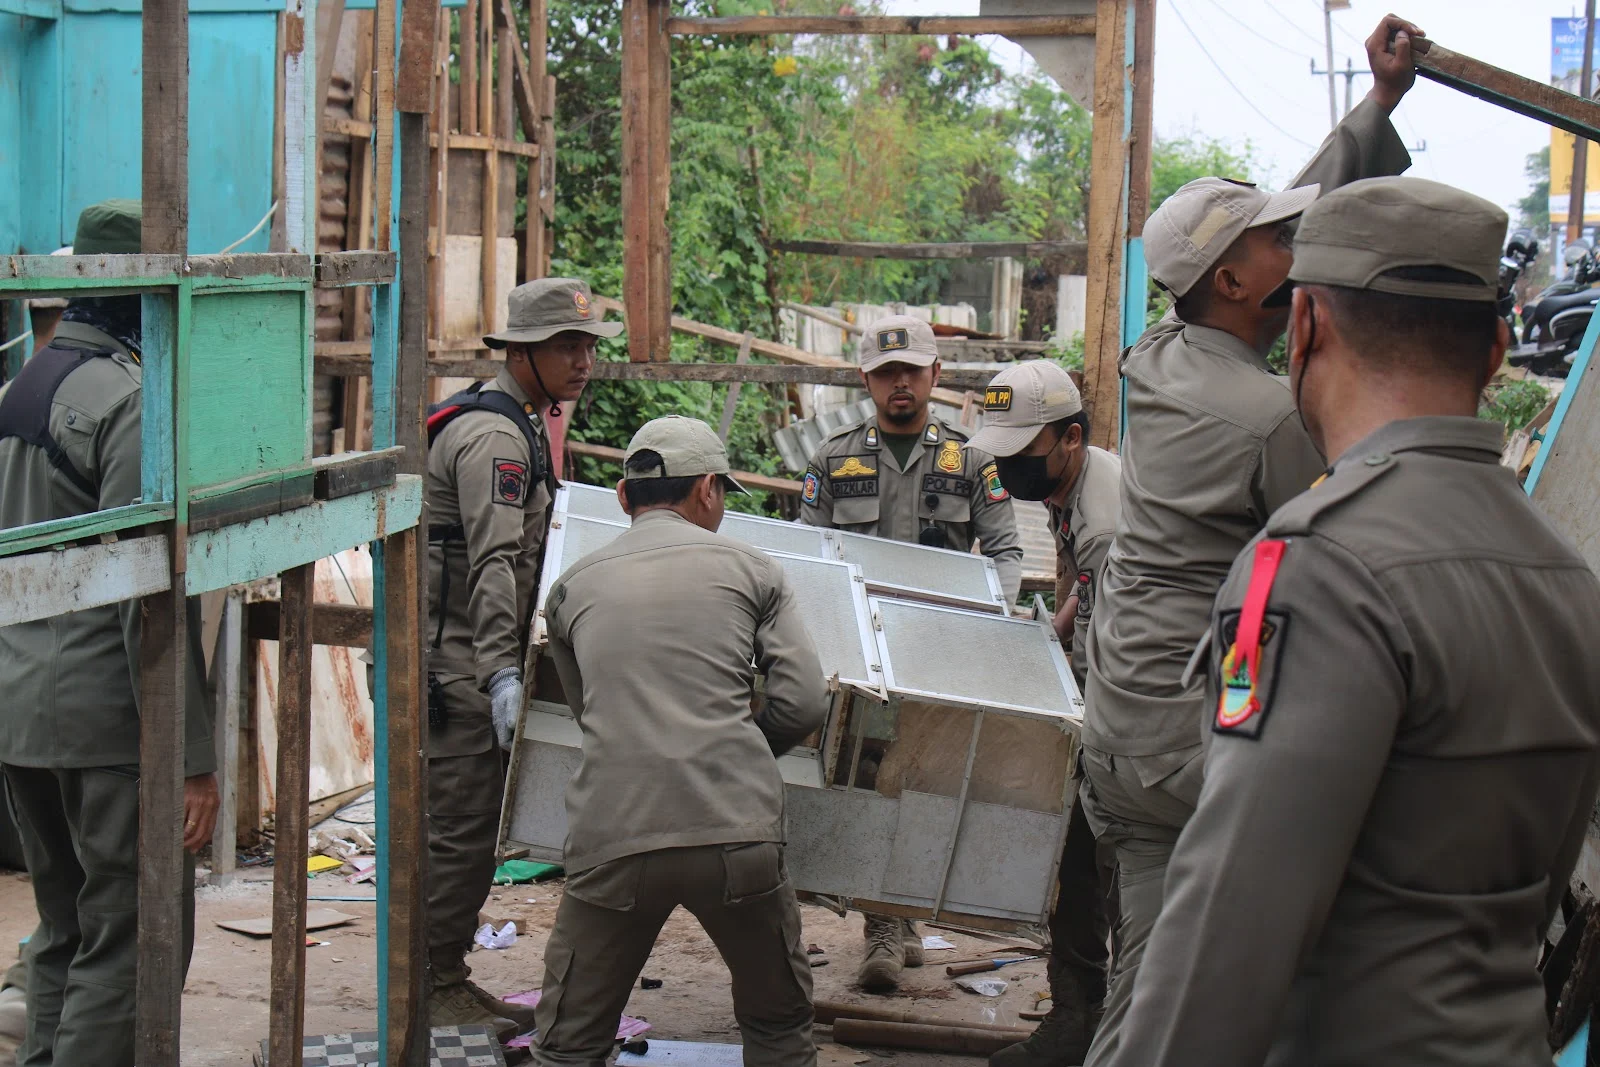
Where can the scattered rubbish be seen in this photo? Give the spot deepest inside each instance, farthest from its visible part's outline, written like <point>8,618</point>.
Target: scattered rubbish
<point>649,983</point>
<point>935,943</point>
<point>488,937</point>
<point>984,987</point>
<point>637,1046</point>
<point>814,950</point>
<point>519,872</point>
<point>533,900</point>
<point>365,867</point>
<point>312,942</point>
<point>830,1054</point>
<point>818,963</point>
<point>685,1054</point>
<point>978,966</point>
<point>628,1027</point>
<point>336,959</point>
<point>316,919</point>
<point>317,864</point>
<point>344,899</point>
<point>1036,1013</point>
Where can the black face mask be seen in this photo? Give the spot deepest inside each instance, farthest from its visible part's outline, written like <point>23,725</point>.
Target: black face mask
<point>1027,477</point>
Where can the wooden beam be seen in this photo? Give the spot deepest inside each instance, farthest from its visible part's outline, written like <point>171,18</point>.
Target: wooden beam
<point>1143,139</point>
<point>334,625</point>
<point>467,55</point>
<point>489,260</point>
<point>730,404</point>
<point>658,93</point>
<point>227,665</point>
<point>844,25</point>
<point>419,31</point>
<point>335,270</point>
<point>954,376</point>
<point>786,486</point>
<point>291,821</point>
<point>164,177</point>
<point>1525,96</point>
<point>1108,222</point>
<point>1073,250</point>
<point>383,58</point>
<point>525,89</point>
<point>643,188</point>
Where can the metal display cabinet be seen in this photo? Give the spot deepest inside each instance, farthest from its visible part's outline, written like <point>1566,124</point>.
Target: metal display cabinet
<point>940,784</point>
<point>917,572</point>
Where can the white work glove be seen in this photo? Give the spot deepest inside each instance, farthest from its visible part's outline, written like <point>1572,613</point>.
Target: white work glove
<point>505,701</point>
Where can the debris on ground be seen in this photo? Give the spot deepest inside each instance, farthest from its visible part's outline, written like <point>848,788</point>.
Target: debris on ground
<point>649,983</point>
<point>488,937</point>
<point>984,987</point>
<point>519,872</point>
<point>935,943</point>
<point>628,1028</point>
<point>261,926</point>
<point>685,1054</point>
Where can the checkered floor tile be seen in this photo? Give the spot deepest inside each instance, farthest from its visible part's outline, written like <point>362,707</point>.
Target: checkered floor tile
<point>453,1046</point>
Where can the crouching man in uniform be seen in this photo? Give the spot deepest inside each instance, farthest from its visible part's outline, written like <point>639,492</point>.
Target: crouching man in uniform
<point>657,638</point>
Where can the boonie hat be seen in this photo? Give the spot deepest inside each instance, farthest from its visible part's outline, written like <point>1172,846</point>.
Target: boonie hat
<point>1360,231</point>
<point>1020,401</point>
<point>897,339</point>
<point>541,309</point>
<point>687,447</point>
<point>1194,226</point>
<point>109,228</point>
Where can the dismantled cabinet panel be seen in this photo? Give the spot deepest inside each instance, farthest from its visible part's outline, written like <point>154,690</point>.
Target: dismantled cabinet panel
<point>916,572</point>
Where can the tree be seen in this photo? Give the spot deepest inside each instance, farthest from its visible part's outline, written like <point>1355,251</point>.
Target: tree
<point>1533,210</point>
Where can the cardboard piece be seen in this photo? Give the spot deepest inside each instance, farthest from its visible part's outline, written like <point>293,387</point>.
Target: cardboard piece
<point>261,926</point>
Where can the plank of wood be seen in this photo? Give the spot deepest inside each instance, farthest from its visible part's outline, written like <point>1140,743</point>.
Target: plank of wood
<point>1073,250</point>
<point>332,625</point>
<point>821,315</point>
<point>164,98</point>
<point>40,585</point>
<point>1108,218</point>
<point>766,482</point>
<point>1525,96</point>
<point>658,95</point>
<point>159,984</point>
<point>636,156</point>
<point>731,403</point>
<point>505,118</point>
<point>383,58</point>
<point>336,270</point>
<point>354,472</point>
<point>228,663</point>
<point>1143,140</point>
<point>339,126</point>
<point>440,192</point>
<point>488,285</point>
<point>844,25</point>
<point>291,821</point>
<point>483,143</point>
<point>467,85</point>
<point>330,26</point>
<point>419,30</point>
<point>403,792</point>
<point>954,376</point>
<point>526,89</point>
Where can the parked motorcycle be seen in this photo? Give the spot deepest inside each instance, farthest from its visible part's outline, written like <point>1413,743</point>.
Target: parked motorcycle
<point>1554,322</point>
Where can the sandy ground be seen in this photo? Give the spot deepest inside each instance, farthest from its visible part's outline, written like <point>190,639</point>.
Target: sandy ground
<point>225,1001</point>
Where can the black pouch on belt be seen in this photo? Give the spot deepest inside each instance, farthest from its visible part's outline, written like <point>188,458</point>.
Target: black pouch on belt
<point>435,702</point>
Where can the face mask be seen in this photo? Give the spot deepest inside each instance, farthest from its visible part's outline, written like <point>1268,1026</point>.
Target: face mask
<point>1027,477</point>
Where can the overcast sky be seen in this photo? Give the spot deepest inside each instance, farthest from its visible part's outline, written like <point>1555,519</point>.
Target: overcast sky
<point>1264,47</point>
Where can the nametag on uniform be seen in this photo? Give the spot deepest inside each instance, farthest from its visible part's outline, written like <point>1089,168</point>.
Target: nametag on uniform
<point>849,487</point>
<point>943,483</point>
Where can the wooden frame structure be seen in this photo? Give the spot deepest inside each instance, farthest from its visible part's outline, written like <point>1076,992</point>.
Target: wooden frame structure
<point>1120,167</point>
<point>221,508</point>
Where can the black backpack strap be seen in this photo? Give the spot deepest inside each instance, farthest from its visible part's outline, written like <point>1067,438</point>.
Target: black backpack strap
<point>25,408</point>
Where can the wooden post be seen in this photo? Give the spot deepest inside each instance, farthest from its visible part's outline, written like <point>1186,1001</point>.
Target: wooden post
<point>1108,221</point>
<point>547,179</point>
<point>384,39</point>
<point>469,67</point>
<point>489,274</point>
<point>1142,141</point>
<point>228,666</point>
<point>164,177</point>
<point>1580,147</point>
<point>291,822</point>
<point>440,210</point>
<point>504,108</point>
<point>646,111</point>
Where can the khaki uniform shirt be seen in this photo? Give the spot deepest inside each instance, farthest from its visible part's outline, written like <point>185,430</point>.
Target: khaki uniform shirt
<point>657,638</point>
<point>1213,447</point>
<point>1083,532</point>
<point>71,682</point>
<point>480,477</point>
<point>1383,838</point>
<point>855,484</point>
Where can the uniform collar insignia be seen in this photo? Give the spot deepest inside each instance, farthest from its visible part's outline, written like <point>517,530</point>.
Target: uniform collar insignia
<point>931,435</point>
<point>872,436</point>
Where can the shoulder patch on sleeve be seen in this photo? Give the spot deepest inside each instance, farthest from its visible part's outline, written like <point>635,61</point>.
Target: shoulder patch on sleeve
<point>510,481</point>
<point>1248,672</point>
<point>1085,590</point>
<point>811,486</point>
<point>991,483</point>
<point>1299,515</point>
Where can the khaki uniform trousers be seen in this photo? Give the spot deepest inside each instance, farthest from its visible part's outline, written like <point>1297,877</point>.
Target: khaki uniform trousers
<point>608,922</point>
<point>1138,805</point>
<point>1084,912</point>
<point>80,837</point>
<point>464,794</point>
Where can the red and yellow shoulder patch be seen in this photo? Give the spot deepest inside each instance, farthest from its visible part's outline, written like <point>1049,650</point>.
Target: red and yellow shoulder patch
<point>1244,699</point>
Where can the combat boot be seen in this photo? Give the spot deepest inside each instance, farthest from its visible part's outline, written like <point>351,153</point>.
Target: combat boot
<point>521,1014</point>
<point>451,1003</point>
<point>886,954</point>
<point>1063,1036</point>
<point>913,940</point>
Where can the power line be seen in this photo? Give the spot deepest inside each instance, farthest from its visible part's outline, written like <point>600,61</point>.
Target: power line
<point>1224,75</point>
<point>1257,33</point>
<point>1272,7</point>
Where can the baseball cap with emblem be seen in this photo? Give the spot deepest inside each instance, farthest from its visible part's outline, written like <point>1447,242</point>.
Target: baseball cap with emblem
<point>541,309</point>
<point>1194,226</point>
<point>1020,401</point>
<point>687,447</point>
<point>897,339</point>
<point>109,228</point>
<point>1358,234</point>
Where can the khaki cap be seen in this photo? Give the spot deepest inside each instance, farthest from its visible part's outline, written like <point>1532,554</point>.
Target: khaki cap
<point>1358,232</point>
<point>541,309</point>
<point>687,447</point>
<point>1020,401</point>
<point>110,228</point>
<point>1194,226</point>
<point>897,339</point>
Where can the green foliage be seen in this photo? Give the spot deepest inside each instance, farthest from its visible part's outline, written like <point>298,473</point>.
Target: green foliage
<point>1533,210</point>
<point>1514,403</point>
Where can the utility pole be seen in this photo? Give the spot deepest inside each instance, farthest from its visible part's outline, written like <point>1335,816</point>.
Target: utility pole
<point>1328,8</point>
<point>1580,147</point>
<point>1349,74</point>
